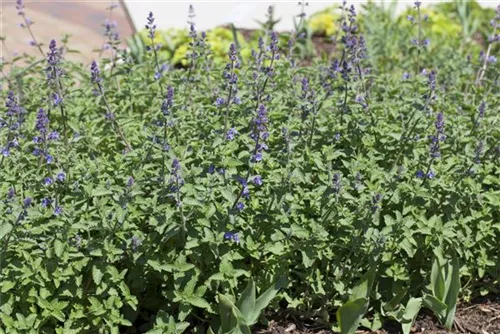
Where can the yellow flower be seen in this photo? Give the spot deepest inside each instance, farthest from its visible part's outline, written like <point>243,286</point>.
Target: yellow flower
<point>323,23</point>
<point>180,55</point>
<point>438,25</point>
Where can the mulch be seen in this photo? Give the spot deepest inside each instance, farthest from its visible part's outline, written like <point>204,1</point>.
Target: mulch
<point>482,316</point>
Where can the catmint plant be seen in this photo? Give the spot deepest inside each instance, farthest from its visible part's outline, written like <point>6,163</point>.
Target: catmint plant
<point>230,84</point>
<point>488,58</point>
<point>26,24</point>
<point>154,48</point>
<point>95,78</point>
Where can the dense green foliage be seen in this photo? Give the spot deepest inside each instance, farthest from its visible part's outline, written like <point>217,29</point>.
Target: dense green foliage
<point>146,196</point>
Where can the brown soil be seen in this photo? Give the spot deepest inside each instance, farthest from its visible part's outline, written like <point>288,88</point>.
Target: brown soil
<point>480,317</point>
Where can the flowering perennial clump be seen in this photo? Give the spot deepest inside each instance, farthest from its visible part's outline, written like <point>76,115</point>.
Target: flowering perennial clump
<point>141,196</point>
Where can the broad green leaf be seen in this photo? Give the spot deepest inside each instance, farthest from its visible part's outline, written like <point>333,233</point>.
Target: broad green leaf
<point>411,311</point>
<point>435,305</point>
<point>364,287</point>
<point>226,313</point>
<point>246,303</point>
<point>452,291</point>
<point>350,314</point>
<point>265,298</point>
<point>437,280</point>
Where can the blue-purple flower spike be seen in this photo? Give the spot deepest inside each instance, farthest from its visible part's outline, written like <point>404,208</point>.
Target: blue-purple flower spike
<point>151,26</point>
<point>95,74</point>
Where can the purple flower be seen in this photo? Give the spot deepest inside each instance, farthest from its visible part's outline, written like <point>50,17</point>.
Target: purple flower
<point>431,174</point>
<point>48,181</point>
<point>260,133</point>
<point>406,76</point>
<point>20,7</point>
<point>5,151</point>
<point>211,169</point>
<point>27,202</point>
<point>168,102</point>
<point>219,102</point>
<point>56,99</point>
<point>58,210</point>
<point>135,242</point>
<point>61,177</point>
<point>130,182</point>
<point>10,193</point>
<point>54,135</point>
<point>11,104</point>
<point>233,53</point>
<point>49,159</point>
<point>337,186</point>
<point>420,174</point>
<point>231,133</point>
<point>95,74</point>
<point>240,206</point>
<point>151,26</point>
<point>432,80</point>
<point>42,122</point>
<point>376,201</point>
<point>53,57</point>
<point>417,4</point>
<point>257,180</point>
<point>410,18</point>
<point>46,202</point>
<point>305,87</point>
<point>232,236</point>
<point>492,59</point>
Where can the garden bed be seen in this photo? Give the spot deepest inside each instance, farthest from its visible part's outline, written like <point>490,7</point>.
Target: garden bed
<point>479,317</point>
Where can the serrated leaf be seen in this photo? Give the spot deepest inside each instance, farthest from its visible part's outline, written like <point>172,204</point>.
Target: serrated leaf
<point>5,229</point>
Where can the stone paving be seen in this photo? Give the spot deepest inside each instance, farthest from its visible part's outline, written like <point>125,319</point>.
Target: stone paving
<point>52,19</point>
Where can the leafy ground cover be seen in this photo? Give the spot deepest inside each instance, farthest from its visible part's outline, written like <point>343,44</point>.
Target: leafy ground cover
<point>358,192</point>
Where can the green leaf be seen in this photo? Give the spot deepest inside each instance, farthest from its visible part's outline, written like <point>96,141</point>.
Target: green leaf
<point>364,287</point>
<point>264,299</point>
<point>228,195</point>
<point>246,303</point>
<point>59,247</point>
<point>411,311</point>
<point>435,305</point>
<point>7,285</point>
<point>350,314</point>
<point>197,301</point>
<point>437,280</point>
<point>227,318</point>
<point>97,275</point>
<point>98,192</point>
<point>5,229</point>
<point>452,291</point>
